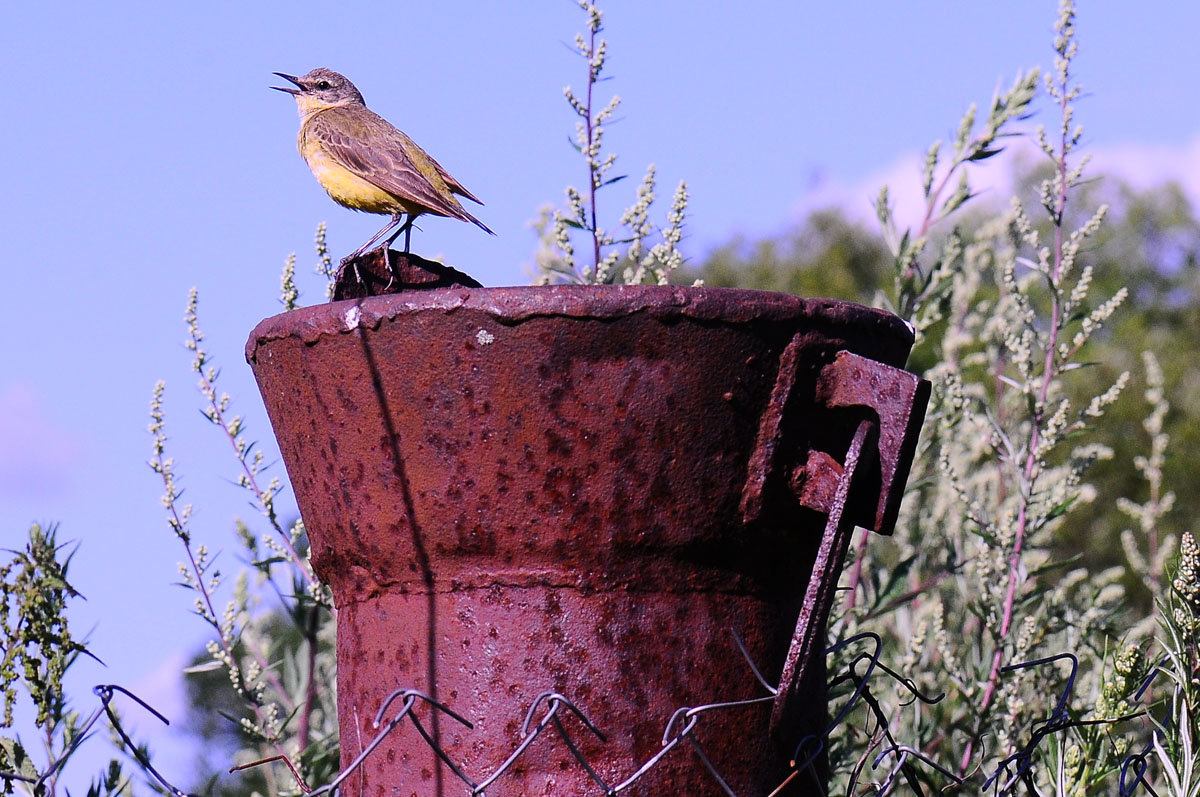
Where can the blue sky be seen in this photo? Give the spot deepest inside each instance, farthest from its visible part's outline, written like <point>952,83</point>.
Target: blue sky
<point>142,153</point>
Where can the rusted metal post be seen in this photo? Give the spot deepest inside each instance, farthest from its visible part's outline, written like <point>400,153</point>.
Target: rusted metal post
<point>581,491</point>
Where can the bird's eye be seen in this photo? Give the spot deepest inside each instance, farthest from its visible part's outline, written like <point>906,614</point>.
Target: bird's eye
<point>324,84</point>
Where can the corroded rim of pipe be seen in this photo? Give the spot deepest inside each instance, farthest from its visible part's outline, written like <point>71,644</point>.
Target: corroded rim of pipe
<point>516,304</point>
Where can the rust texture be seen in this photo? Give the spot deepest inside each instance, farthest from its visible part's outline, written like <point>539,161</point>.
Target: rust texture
<point>514,490</point>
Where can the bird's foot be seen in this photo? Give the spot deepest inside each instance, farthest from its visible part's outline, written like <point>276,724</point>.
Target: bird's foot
<point>391,270</point>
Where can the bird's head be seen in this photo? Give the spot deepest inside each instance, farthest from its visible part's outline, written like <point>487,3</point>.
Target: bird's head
<point>321,89</point>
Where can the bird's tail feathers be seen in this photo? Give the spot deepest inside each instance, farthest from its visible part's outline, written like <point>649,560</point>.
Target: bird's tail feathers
<point>468,217</point>
<point>457,188</point>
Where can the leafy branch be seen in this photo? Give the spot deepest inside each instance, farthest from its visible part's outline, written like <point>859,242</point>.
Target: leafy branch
<point>625,256</point>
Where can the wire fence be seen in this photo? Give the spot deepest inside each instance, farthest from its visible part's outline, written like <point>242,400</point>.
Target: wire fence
<point>546,715</point>
<point>550,711</point>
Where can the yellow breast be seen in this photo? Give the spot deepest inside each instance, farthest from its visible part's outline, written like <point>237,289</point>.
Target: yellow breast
<point>343,185</point>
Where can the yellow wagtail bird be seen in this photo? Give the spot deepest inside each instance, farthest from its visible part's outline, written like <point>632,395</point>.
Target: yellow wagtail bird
<point>365,163</point>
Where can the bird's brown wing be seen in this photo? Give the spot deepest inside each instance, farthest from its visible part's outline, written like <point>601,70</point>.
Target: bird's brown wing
<point>454,185</point>
<point>373,149</point>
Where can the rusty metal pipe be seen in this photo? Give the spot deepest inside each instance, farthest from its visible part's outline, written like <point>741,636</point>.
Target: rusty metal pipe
<point>568,490</point>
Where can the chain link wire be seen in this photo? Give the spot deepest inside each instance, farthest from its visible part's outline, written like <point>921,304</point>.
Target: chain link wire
<point>547,715</point>
<point>554,707</point>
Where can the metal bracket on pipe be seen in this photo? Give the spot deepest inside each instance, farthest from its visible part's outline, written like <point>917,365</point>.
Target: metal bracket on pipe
<point>865,489</point>
<point>803,675</point>
<point>898,399</point>
<point>894,397</point>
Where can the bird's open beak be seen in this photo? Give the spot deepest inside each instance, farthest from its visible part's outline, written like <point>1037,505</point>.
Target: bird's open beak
<point>288,90</point>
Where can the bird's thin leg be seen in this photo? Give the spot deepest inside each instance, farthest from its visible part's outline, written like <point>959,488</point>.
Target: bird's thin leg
<point>375,238</point>
<point>386,246</point>
<point>405,228</point>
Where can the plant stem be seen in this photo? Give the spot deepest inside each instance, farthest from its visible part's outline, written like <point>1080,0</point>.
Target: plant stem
<point>860,553</point>
<point>52,783</point>
<point>310,684</point>
<point>593,174</point>
<point>268,510</point>
<point>1049,371</point>
<point>226,646</point>
<point>928,221</point>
